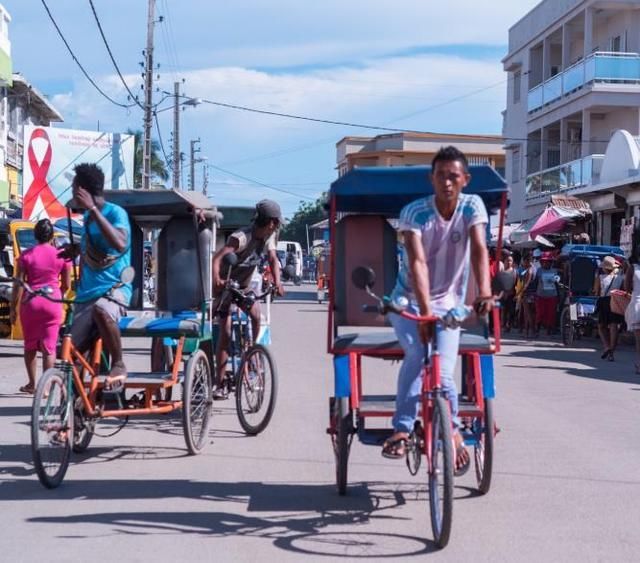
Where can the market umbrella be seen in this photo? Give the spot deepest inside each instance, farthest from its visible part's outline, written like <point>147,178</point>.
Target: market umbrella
<point>552,220</point>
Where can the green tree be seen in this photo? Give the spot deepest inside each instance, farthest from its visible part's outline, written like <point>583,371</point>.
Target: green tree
<point>159,170</point>
<point>308,213</point>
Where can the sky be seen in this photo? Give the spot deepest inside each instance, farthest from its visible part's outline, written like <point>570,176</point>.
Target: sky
<point>411,64</point>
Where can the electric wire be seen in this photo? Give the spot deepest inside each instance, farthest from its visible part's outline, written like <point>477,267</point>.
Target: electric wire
<point>258,183</point>
<point>113,60</point>
<point>75,59</point>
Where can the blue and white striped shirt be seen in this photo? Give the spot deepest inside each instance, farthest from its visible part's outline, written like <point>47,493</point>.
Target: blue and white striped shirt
<point>446,249</point>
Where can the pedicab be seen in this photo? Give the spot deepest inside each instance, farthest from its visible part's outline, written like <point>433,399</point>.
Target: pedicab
<point>72,397</point>
<point>578,316</point>
<point>364,263</point>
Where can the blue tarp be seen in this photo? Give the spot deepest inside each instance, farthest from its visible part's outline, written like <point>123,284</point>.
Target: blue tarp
<point>591,250</point>
<point>386,190</point>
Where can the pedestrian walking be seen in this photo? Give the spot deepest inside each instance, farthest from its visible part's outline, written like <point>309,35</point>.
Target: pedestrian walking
<point>546,294</point>
<point>39,266</point>
<point>528,296</point>
<point>508,278</point>
<point>608,322</point>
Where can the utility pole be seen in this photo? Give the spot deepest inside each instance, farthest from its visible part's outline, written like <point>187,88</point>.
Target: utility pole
<point>148,98</point>
<point>176,135</point>
<point>192,176</point>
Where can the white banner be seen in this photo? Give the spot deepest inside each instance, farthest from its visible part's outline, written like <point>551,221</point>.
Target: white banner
<point>50,155</point>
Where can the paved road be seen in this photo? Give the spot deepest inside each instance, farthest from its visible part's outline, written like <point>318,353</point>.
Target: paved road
<point>566,486</point>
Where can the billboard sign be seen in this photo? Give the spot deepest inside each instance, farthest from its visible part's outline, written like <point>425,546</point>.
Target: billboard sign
<point>50,155</point>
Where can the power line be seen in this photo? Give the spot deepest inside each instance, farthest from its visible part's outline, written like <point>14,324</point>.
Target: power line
<point>75,59</point>
<point>113,60</point>
<point>351,124</point>
<point>258,183</point>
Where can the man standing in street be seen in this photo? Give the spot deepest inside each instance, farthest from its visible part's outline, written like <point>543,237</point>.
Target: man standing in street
<point>105,252</point>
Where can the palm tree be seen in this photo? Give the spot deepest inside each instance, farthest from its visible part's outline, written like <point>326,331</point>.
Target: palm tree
<point>159,169</point>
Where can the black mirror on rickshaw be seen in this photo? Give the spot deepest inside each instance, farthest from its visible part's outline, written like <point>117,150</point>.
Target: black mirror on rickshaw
<point>230,259</point>
<point>127,275</point>
<point>363,277</point>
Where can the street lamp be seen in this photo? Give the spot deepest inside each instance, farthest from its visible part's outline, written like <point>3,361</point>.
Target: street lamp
<point>192,102</point>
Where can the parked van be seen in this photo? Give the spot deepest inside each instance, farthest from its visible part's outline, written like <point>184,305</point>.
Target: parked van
<point>292,257</point>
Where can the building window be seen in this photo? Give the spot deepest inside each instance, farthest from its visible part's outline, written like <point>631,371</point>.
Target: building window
<point>515,165</point>
<point>517,86</point>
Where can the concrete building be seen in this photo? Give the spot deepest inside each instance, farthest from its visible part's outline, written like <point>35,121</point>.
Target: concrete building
<point>406,149</point>
<point>572,122</point>
<point>25,106</point>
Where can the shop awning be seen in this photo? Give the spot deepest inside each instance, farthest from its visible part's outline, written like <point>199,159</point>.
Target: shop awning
<point>553,219</point>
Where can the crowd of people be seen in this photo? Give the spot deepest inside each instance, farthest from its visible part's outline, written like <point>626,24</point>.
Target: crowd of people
<point>535,285</point>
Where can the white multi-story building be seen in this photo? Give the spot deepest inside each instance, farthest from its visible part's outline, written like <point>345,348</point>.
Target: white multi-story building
<point>572,123</point>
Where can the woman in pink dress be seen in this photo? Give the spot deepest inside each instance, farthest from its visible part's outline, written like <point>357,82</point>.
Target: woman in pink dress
<point>41,319</point>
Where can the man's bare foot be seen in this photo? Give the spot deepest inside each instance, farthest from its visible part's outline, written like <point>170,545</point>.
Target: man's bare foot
<point>462,455</point>
<point>395,446</point>
<point>116,378</point>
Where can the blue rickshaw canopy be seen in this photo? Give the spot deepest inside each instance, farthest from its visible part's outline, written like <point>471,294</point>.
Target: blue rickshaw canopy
<point>386,190</point>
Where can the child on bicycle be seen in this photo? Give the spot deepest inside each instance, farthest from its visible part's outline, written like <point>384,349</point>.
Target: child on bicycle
<point>443,234</point>
<point>249,245</point>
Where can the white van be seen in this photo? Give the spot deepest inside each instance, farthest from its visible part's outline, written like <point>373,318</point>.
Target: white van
<point>292,257</point>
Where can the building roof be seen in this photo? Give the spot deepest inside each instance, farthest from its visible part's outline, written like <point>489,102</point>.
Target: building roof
<point>427,135</point>
<point>36,98</point>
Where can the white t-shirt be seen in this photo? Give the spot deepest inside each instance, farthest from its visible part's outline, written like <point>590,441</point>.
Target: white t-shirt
<point>446,247</point>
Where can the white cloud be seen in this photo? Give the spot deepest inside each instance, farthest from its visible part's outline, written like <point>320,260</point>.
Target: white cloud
<point>378,93</point>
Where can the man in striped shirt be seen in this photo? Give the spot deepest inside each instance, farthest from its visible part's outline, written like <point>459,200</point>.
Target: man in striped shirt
<point>443,235</point>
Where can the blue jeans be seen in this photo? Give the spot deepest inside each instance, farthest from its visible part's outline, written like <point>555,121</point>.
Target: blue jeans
<point>409,378</point>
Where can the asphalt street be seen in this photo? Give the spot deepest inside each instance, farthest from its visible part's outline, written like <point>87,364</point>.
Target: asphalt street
<point>565,487</point>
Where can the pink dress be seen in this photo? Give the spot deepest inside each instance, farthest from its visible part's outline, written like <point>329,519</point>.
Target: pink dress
<point>41,318</point>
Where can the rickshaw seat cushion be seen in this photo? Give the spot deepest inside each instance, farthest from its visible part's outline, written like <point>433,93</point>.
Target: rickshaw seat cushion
<point>386,343</point>
<point>179,325</point>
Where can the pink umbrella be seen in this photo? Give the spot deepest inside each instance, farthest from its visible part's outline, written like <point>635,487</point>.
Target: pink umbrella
<point>551,220</point>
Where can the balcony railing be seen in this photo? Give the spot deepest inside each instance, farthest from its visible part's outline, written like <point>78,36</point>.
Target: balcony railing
<point>574,174</point>
<point>597,67</point>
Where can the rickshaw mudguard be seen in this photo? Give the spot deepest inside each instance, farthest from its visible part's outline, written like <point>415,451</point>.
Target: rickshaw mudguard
<point>488,380</point>
<point>342,376</point>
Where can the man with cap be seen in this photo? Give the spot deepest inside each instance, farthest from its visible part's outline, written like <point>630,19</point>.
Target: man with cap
<point>249,244</point>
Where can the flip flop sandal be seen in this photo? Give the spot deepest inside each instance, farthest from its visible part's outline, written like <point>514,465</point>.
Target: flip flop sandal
<point>220,394</point>
<point>462,469</point>
<point>115,386</point>
<point>28,389</point>
<point>391,448</point>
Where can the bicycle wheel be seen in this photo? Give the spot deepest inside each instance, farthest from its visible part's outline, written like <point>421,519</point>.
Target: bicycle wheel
<point>51,428</point>
<point>441,473</point>
<point>196,402</point>
<point>483,450</point>
<point>341,440</point>
<point>256,389</point>
<point>566,327</point>
<point>82,428</point>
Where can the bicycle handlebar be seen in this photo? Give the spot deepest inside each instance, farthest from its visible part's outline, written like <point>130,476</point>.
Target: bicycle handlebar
<point>451,319</point>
